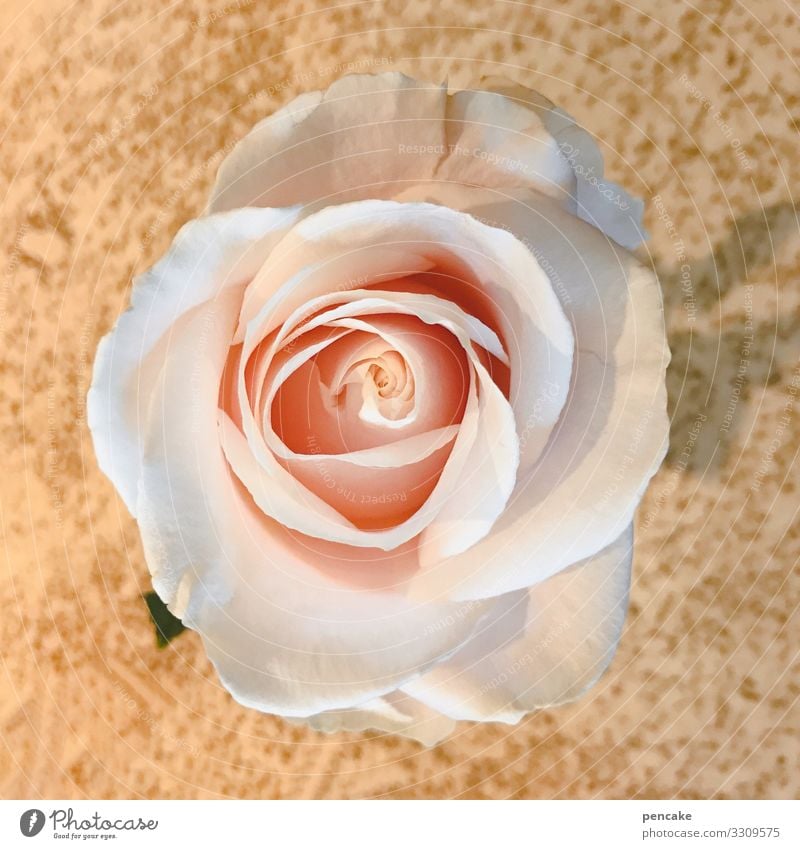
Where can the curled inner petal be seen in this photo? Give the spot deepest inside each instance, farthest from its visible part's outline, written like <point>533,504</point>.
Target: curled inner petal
<point>373,413</point>
<point>372,452</point>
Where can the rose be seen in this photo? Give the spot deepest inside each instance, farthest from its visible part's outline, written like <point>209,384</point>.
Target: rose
<point>385,413</point>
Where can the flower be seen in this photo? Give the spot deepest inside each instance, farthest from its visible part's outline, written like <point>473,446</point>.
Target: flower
<point>384,413</point>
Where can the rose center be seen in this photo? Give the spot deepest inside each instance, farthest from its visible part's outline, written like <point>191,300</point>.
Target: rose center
<point>387,388</point>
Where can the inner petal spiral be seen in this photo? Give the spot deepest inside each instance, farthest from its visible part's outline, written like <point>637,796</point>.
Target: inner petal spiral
<point>392,381</point>
<point>373,408</point>
<point>387,389</point>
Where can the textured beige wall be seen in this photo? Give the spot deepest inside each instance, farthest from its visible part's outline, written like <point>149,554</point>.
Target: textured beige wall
<point>112,114</point>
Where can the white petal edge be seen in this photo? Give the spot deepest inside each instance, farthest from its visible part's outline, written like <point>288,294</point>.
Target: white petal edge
<point>597,200</point>
<point>207,256</point>
<point>542,648</point>
<point>495,141</point>
<point>394,713</point>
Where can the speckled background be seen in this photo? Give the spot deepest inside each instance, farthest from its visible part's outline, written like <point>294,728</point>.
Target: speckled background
<point>113,119</point>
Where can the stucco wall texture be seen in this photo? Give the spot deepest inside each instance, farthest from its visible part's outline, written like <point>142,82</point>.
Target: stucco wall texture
<point>113,117</point>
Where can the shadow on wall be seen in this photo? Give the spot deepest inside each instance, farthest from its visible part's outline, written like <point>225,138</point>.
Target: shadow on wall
<point>714,375</point>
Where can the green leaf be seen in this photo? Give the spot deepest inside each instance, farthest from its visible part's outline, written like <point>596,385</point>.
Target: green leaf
<point>167,626</point>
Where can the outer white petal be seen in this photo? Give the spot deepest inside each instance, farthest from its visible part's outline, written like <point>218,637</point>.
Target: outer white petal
<point>367,135</point>
<point>598,201</point>
<point>207,256</point>
<point>285,635</point>
<point>613,431</point>
<point>498,142</point>
<point>394,713</point>
<point>543,647</point>
<point>362,137</point>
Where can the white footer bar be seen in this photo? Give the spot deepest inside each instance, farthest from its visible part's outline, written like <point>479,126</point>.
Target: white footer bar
<point>402,824</point>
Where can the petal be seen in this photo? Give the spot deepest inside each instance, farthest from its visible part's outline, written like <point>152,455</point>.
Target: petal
<point>394,713</point>
<point>428,308</point>
<point>401,452</point>
<point>440,372</point>
<point>463,247</point>
<point>285,637</point>
<point>484,485</point>
<point>498,142</point>
<point>614,428</point>
<point>366,135</point>
<point>282,496</point>
<point>434,373</point>
<point>598,201</point>
<point>379,239</point>
<point>381,486</point>
<point>542,648</point>
<point>362,137</point>
<point>207,256</point>
<point>485,455</point>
